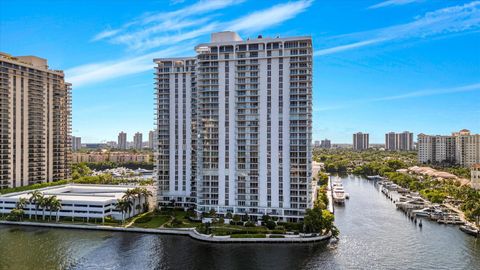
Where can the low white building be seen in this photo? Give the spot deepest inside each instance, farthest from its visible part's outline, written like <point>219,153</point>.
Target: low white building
<point>78,201</point>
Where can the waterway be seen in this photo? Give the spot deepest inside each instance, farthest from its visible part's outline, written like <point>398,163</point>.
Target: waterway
<point>373,236</point>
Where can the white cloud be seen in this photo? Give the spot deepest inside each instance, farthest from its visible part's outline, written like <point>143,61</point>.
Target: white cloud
<point>154,30</point>
<point>414,94</point>
<point>392,3</point>
<point>103,71</point>
<point>176,28</point>
<point>266,18</point>
<point>455,19</point>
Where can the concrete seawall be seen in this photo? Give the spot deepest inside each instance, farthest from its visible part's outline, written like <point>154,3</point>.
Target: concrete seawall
<point>192,233</point>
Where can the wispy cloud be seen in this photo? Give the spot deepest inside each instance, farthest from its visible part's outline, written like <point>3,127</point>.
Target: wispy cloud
<point>154,30</point>
<point>269,17</point>
<point>393,3</point>
<point>177,28</point>
<point>408,95</point>
<point>103,71</point>
<point>450,20</point>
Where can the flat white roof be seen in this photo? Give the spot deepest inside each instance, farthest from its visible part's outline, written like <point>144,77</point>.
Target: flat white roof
<point>77,193</point>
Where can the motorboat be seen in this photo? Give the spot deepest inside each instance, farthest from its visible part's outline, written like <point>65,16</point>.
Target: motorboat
<point>427,212</point>
<point>469,229</point>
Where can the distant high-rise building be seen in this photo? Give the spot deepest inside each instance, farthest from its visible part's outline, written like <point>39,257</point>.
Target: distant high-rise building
<point>316,144</point>
<point>399,141</point>
<point>326,144</point>
<point>137,141</point>
<point>243,111</point>
<point>112,144</point>
<point>461,148</point>
<point>151,139</point>
<point>76,143</point>
<point>35,125</point>
<point>361,141</point>
<point>122,140</point>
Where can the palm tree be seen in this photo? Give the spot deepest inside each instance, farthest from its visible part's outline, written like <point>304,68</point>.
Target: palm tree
<point>146,193</point>
<point>56,205</point>
<point>22,202</point>
<point>43,203</point>
<point>124,205</point>
<point>129,195</point>
<point>35,197</point>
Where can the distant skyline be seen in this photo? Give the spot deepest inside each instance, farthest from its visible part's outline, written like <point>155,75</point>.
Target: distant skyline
<point>379,66</point>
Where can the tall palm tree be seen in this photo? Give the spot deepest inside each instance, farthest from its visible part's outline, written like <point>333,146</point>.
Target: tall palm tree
<point>43,203</point>
<point>124,205</point>
<point>146,193</point>
<point>129,195</point>
<point>35,196</point>
<point>51,201</point>
<point>56,205</point>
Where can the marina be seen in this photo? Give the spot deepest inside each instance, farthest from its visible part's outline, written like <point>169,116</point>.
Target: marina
<point>415,207</point>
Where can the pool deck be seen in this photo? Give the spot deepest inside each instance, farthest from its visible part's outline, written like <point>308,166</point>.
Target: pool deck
<point>191,232</point>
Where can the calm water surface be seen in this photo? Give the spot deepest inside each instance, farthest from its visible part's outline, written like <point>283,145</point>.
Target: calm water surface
<point>373,236</point>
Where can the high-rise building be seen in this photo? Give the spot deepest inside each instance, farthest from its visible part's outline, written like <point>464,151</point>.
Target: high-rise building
<point>361,141</point>
<point>151,139</point>
<point>316,144</point>
<point>122,140</point>
<point>326,144</point>
<point>137,141</point>
<point>176,130</point>
<point>461,148</point>
<point>35,122</point>
<point>399,141</point>
<point>76,143</point>
<point>250,107</point>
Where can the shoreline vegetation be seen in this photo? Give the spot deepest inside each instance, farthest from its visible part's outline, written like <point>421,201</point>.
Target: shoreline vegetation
<point>386,164</point>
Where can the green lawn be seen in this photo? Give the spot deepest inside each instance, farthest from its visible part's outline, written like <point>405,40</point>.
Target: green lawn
<point>155,222</point>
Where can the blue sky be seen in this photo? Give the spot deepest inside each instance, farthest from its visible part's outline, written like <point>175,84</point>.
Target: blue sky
<point>379,66</point>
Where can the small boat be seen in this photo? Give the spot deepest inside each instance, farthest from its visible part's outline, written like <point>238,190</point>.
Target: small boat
<point>468,229</point>
<point>374,177</point>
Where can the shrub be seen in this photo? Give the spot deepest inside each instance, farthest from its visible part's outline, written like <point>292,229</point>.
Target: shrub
<point>276,236</point>
<point>249,224</point>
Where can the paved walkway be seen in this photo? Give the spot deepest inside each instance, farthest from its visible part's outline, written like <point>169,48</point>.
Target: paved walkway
<point>174,231</point>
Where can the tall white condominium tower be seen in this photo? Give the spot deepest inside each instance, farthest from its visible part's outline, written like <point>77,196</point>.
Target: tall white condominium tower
<point>399,141</point>
<point>252,101</point>
<point>361,141</point>
<point>35,122</point>
<point>122,140</point>
<point>176,125</point>
<point>138,141</point>
<point>461,148</point>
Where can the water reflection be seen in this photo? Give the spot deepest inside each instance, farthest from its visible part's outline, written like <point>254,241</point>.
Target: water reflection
<point>373,236</point>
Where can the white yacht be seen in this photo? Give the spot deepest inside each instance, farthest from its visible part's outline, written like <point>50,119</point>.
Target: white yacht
<point>338,193</point>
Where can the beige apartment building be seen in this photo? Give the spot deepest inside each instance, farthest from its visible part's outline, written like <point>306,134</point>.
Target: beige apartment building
<point>117,157</point>
<point>35,122</point>
<point>461,148</point>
